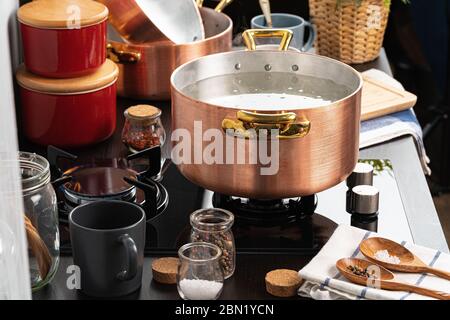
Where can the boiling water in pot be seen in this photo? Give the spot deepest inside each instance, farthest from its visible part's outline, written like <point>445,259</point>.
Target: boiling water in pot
<point>267,91</point>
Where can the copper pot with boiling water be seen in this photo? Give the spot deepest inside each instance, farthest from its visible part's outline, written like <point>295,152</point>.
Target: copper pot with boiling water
<point>312,102</point>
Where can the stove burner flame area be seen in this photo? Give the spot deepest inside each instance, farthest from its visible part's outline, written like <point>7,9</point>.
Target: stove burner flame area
<point>109,179</point>
<point>99,181</point>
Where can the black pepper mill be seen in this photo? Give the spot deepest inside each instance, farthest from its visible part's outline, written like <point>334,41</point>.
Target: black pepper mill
<point>360,203</point>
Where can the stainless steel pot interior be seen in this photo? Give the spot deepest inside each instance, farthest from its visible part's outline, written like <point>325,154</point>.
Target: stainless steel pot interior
<point>214,23</point>
<point>241,62</point>
<point>178,20</point>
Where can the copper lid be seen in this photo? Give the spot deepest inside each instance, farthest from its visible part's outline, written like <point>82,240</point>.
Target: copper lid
<point>62,14</point>
<point>106,75</point>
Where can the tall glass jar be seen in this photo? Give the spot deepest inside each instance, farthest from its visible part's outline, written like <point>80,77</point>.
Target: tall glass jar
<point>41,218</point>
<point>200,276</point>
<point>214,226</point>
<point>143,128</point>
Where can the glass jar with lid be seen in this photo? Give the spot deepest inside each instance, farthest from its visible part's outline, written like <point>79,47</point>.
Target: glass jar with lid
<point>143,128</point>
<point>41,218</point>
<point>213,225</point>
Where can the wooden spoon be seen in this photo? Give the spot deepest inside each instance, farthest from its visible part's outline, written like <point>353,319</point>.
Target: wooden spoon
<point>408,261</point>
<point>386,279</point>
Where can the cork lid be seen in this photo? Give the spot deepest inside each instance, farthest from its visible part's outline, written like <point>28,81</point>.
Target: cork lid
<point>62,14</point>
<point>283,282</point>
<point>283,277</point>
<point>106,75</point>
<point>142,111</point>
<point>165,270</point>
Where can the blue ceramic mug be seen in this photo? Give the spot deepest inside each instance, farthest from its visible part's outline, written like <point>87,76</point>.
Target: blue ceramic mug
<point>288,21</point>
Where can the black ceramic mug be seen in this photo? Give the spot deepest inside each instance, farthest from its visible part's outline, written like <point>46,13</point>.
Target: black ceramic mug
<point>108,239</point>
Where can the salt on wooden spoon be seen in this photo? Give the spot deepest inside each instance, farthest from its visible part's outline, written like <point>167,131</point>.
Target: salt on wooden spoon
<point>408,262</point>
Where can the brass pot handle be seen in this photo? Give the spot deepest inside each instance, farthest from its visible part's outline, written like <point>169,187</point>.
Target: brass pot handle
<point>287,123</point>
<point>122,56</point>
<point>220,6</point>
<point>250,35</point>
<point>266,118</point>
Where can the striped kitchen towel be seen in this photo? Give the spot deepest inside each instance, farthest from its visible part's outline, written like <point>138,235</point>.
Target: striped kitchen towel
<point>322,281</point>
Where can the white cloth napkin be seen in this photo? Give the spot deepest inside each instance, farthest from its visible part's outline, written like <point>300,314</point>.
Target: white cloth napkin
<point>324,282</point>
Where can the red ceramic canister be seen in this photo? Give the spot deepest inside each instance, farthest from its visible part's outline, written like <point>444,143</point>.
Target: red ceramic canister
<point>69,112</point>
<point>63,38</point>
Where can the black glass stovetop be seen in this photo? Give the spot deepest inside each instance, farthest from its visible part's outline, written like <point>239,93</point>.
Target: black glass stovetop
<point>306,235</point>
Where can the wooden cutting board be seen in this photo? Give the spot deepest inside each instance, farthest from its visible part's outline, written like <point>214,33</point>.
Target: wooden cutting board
<point>379,99</point>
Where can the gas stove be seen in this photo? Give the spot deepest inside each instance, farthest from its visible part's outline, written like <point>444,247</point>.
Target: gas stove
<point>108,179</point>
<point>299,225</point>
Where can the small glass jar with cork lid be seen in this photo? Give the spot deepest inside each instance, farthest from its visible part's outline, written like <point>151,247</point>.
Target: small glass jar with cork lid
<point>143,128</point>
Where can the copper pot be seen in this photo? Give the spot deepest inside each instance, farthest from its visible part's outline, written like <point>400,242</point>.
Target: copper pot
<point>145,69</point>
<point>318,145</point>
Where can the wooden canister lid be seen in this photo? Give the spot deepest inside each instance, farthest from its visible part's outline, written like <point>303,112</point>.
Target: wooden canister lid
<point>106,75</point>
<point>62,14</point>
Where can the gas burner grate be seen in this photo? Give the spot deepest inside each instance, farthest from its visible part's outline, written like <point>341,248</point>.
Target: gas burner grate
<point>161,201</point>
<point>267,212</point>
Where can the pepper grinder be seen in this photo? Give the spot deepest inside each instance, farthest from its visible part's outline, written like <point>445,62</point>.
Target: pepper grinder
<point>362,198</point>
<point>364,204</point>
<point>361,175</point>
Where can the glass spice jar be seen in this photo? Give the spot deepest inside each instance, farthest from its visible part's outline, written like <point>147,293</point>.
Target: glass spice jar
<point>41,218</point>
<point>143,128</point>
<point>199,276</point>
<point>214,226</point>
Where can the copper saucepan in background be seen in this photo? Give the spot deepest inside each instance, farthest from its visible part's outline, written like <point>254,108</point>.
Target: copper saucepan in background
<point>145,69</point>
<point>314,102</point>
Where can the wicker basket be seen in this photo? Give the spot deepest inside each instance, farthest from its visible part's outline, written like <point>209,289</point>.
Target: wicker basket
<point>349,32</point>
